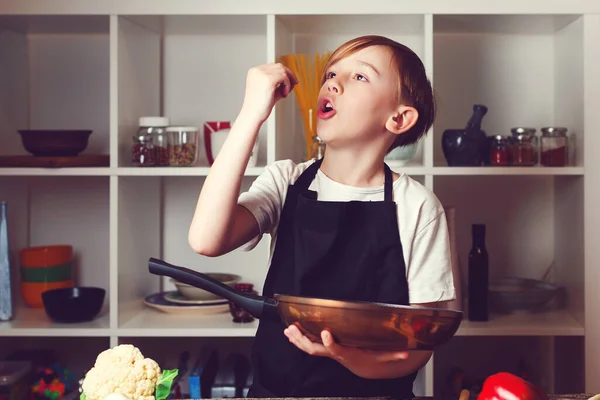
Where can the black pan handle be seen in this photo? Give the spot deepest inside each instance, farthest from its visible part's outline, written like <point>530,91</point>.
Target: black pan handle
<point>255,305</point>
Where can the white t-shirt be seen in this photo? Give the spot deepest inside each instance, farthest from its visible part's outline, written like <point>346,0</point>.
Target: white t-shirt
<point>421,222</point>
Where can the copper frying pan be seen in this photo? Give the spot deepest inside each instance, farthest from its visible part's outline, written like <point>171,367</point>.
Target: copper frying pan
<point>375,326</point>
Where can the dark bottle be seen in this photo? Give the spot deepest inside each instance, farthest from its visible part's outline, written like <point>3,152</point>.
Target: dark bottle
<point>478,276</point>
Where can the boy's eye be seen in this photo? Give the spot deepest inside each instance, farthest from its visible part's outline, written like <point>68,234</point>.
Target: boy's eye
<point>361,78</point>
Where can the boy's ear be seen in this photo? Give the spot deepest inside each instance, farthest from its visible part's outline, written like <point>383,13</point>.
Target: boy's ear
<point>402,120</point>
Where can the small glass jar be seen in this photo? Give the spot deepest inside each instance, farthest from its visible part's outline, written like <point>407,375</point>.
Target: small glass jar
<point>239,314</point>
<point>554,147</point>
<point>499,151</point>
<point>524,147</point>
<point>317,148</point>
<point>142,151</point>
<point>151,133</point>
<point>183,145</point>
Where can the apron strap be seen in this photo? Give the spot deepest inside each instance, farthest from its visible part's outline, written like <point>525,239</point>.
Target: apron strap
<point>305,179</point>
<point>388,186</point>
<point>303,182</point>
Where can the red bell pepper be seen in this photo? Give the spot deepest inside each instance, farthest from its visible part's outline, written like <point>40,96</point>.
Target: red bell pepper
<point>506,386</point>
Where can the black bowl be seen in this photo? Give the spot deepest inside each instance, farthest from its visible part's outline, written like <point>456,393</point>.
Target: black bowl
<point>54,143</point>
<point>77,304</point>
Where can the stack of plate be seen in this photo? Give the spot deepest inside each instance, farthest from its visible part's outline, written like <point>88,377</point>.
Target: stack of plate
<point>188,298</point>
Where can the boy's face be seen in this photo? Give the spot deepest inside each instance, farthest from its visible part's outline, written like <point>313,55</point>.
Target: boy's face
<point>358,98</point>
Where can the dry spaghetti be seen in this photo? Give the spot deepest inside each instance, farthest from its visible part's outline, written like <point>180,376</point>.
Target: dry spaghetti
<point>307,90</point>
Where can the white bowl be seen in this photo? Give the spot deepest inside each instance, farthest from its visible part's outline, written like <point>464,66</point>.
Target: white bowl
<point>194,293</point>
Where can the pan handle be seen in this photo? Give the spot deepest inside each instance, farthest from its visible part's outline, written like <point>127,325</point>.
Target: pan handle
<point>255,305</point>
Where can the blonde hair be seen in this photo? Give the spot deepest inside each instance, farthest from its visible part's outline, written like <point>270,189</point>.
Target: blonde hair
<point>414,88</point>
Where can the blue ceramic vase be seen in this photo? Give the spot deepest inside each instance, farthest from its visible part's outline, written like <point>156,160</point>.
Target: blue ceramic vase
<point>6,305</point>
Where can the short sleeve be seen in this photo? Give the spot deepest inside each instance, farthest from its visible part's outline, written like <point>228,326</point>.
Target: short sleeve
<point>430,274</point>
<point>266,196</point>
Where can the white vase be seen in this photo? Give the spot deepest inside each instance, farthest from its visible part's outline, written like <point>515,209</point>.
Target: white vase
<point>456,304</point>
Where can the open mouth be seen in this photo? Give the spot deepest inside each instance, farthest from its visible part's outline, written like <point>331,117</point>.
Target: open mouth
<point>326,109</point>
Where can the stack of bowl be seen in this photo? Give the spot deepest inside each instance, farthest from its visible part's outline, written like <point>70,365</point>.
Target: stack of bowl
<point>43,268</point>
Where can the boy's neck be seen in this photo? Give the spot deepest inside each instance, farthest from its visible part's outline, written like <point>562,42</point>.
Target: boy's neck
<point>353,168</point>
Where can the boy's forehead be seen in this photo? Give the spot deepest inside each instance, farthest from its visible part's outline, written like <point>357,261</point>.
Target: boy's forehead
<point>376,55</point>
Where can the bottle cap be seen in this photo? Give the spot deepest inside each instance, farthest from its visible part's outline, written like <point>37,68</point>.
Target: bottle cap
<point>478,229</point>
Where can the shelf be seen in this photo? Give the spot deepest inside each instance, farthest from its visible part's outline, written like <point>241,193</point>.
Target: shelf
<point>224,7</point>
<point>35,322</point>
<point>557,323</point>
<point>177,171</point>
<point>149,322</point>
<point>483,57</point>
<point>91,171</point>
<point>410,169</point>
<point>124,171</point>
<point>525,171</point>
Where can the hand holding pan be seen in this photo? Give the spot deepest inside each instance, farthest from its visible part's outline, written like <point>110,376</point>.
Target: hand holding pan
<point>367,325</point>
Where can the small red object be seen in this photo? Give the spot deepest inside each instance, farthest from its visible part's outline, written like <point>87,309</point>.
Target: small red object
<point>506,386</point>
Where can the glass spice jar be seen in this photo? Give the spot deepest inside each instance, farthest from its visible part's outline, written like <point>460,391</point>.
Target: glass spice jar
<point>554,147</point>
<point>499,151</point>
<point>154,128</point>
<point>239,314</point>
<point>524,147</point>
<point>142,151</point>
<point>183,145</point>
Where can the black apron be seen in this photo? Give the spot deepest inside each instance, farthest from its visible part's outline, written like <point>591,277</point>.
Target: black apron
<point>337,250</point>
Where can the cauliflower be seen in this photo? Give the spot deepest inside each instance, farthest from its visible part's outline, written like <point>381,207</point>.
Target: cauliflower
<point>123,369</point>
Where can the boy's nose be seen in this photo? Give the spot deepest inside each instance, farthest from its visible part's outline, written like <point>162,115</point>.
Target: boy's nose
<point>334,87</point>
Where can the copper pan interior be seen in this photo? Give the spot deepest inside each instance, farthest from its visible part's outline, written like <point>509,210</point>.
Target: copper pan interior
<point>370,325</point>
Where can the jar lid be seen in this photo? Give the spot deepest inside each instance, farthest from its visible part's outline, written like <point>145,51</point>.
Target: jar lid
<point>182,129</point>
<point>554,131</point>
<point>243,286</point>
<point>154,121</point>
<point>522,131</point>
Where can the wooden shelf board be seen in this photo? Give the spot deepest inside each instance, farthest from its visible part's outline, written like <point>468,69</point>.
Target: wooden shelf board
<point>35,322</point>
<point>554,323</point>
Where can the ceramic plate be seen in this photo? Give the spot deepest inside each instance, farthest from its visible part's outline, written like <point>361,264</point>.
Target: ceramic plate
<point>176,297</point>
<point>158,302</point>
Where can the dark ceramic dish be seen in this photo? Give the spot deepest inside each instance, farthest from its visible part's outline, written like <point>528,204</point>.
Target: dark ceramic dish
<point>55,143</point>
<point>77,304</point>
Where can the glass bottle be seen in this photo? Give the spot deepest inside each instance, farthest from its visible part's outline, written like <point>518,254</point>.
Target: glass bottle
<point>150,145</point>
<point>499,151</point>
<point>142,151</point>
<point>478,276</point>
<point>524,146</point>
<point>6,306</point>
<point>554,147</point>
<point>317,148</point>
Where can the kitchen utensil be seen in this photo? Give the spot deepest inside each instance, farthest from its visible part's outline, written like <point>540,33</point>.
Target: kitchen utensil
<point>513,293</point>
<point>76,304</point>
<point>55,143</point>
<point>195,293</point>
<point>368,325</point>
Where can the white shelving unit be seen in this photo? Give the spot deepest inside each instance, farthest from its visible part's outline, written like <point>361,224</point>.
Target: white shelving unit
<point>74,64</point>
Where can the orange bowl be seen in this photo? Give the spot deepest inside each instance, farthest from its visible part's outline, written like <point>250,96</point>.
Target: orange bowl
<point>32,291</point>
<point>45,256</point>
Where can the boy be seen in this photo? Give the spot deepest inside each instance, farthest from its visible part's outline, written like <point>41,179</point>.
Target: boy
<point>344,227</point>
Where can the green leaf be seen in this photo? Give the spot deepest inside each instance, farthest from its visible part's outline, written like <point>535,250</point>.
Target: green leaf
<point>82,396</point>
<point>163,387</point>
